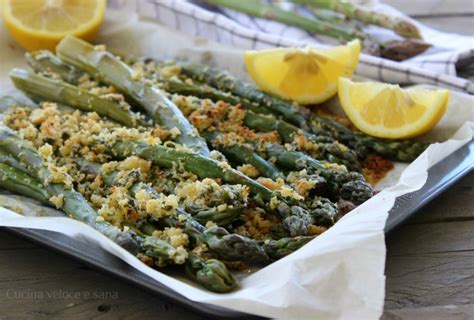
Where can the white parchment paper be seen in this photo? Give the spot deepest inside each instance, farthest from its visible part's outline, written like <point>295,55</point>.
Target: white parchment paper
<point>340,274</point>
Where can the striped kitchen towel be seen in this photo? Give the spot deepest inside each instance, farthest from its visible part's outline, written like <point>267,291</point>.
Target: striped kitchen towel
<point>436,66</point>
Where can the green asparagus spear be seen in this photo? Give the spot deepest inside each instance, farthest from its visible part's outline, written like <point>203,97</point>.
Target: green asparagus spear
<point>261,9</point>
<point>211,273</point>
<point>61,92</point>
<point>349,185</point>
<point>19,182</point>
<point>74,203</point>
<point>280,248</point>
<point>111,70</point>
<point>243,155</point>
<point>202,215</point>
<point>367,16</point>
<point>46,62</point>
<point>226,82</point>
<point>398,150</point>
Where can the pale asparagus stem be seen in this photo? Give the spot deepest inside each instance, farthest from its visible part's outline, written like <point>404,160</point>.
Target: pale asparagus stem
<point>17,181</point>
<point>109,69</point>
<point>44,61</point>
<point>367,16</point>
<point>61,92</point>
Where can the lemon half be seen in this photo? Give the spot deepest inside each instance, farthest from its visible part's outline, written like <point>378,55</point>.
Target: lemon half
<point>41,24</point>
<point>388,111</point>
<point>306,76</point>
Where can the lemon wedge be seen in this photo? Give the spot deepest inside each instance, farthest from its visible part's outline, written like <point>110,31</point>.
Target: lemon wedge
<point>306,76</point>
<point>388,111</point>
<point>41,24</point>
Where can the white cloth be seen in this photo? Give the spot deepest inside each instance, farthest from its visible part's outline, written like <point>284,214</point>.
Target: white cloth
<point>435,66</point>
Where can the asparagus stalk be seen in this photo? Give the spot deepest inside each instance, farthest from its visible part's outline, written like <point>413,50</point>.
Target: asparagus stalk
<point>280,248</point>
<point>400,50</point>
<point>229,247</point>
<point>64,93</point>
<point>261,9</point>
<point>17,181</point>
<point>399,25</point>
<point>44,61</point>
<point>221,218</point>
<point>74,203</point>
<point>211,273</point>
<point>243,155</point>
<point>226,82</point>
<point>349,185</point>
<point>398,150</point>
<point>111,70</point>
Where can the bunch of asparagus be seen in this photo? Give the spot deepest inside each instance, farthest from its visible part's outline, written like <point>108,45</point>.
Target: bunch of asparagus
<point>339,19</point>
<point>298,191</point>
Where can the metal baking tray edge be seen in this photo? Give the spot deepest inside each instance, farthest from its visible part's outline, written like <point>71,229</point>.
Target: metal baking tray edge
<point>440,177</point>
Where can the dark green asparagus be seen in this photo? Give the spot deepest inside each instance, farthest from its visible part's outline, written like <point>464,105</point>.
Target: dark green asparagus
<point>242,155</point>
<point>280,248</point>
<point>109,69</point>
<point>349,185</point>
<point>226,82</point>
<point>211,273</point>
<point>397,150</point>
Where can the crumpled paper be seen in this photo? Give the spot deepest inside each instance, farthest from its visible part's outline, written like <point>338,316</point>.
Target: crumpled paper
<point>338,275</point>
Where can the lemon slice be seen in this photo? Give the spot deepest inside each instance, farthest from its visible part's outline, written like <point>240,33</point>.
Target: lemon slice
<point>306,76</point>
<point>388,111</point>
<point>41,24</point>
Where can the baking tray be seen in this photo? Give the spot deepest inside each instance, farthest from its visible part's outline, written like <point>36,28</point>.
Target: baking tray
<point>440,177</point>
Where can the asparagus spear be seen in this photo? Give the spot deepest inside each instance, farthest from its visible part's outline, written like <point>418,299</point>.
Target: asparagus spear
<point>277,249</point>
<point>111,70</point>
<point>221,218</point>
<point>74,203</point>
<point>367,16</point>
<point>226,82</point>
<point>44,61</point>
<point>261,9</point>
<point>398,150</point>
<point>19,182</point>
<point>243,154</point>
<point>349,185</point>
<point>64,93</point>
<point>211,273</point>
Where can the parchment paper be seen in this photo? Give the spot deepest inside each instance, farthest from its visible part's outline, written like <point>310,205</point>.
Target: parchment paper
<point>340,274</point>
